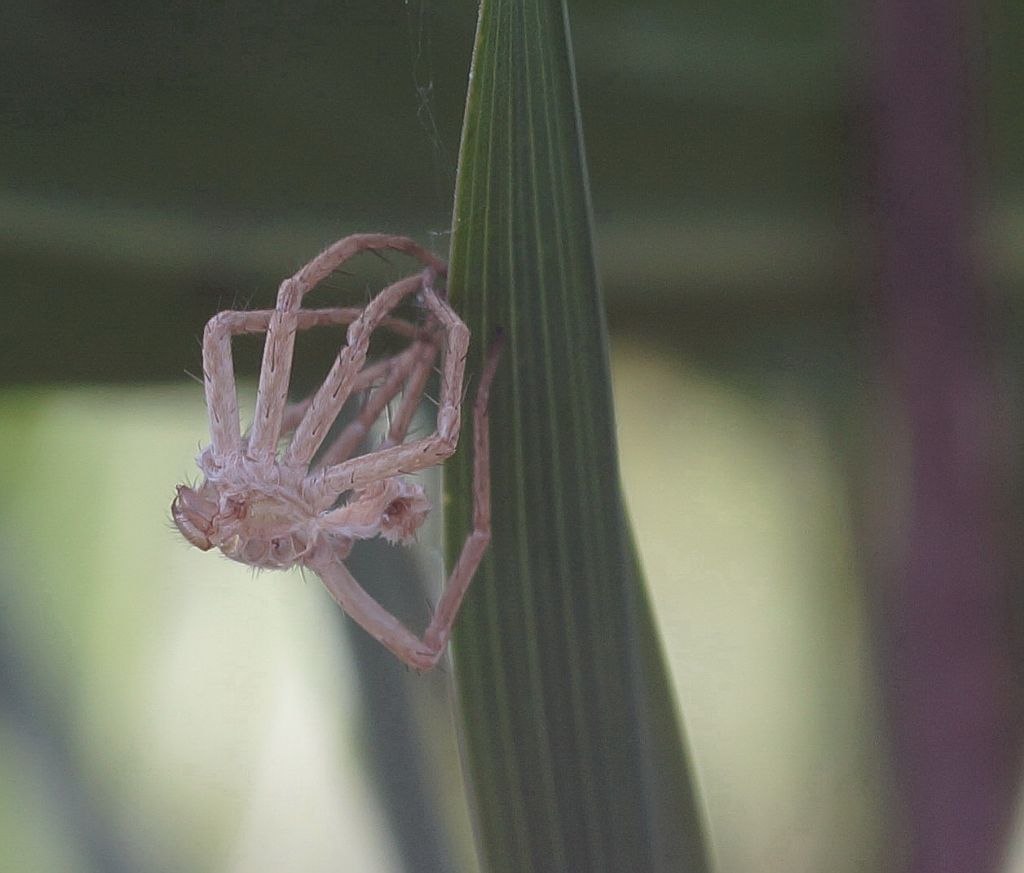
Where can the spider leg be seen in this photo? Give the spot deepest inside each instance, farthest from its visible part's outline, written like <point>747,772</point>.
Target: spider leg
<point>219,376</point>
<point>292,415</point>
<point>294,412</point>
<point>218,368</point>
<point>418,454</point>
<point>280,345</point>
<point>337,387</point>
<point>403,372</point>
<point>423,654</point>
<point>369,614</point>
<point>412,397</point>
<point>473,550</point>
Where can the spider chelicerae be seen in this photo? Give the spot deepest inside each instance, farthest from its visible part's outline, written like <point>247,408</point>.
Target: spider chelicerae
<point>307,505</point>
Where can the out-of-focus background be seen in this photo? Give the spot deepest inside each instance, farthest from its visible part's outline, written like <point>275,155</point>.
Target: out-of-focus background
<point>165,710</point>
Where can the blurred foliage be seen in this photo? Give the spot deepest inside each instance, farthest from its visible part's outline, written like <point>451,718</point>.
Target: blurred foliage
<point>163,160</point>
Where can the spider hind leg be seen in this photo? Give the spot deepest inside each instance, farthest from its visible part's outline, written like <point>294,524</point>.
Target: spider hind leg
<point>424,653</point>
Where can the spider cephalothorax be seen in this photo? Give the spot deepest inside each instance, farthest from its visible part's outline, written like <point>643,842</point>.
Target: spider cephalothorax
<point>266,521</point>
<point>274,509</point>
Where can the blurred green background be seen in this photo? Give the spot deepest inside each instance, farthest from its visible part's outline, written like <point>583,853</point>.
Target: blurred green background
<point>164,710</point>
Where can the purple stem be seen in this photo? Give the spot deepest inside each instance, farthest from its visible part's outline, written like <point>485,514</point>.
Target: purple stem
<point>949,662</point>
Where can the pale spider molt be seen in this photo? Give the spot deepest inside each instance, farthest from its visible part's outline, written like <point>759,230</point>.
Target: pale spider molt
<point>275,509</point>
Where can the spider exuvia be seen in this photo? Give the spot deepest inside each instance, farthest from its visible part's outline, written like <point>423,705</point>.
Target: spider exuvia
<point>276,509</point>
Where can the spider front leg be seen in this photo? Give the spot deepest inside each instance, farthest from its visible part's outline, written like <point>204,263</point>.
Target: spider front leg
<point>386,370</point>
<point>424,653</point>
<point>219,376</point>
<point>272,394</point>
<point>219,372</point>
<point>405,373</point>
<point>295,412</point>
<point>419,454</point>
<point>337,387</point>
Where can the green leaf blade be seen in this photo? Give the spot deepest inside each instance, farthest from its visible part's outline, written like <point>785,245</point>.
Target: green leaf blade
<point>567,721</point>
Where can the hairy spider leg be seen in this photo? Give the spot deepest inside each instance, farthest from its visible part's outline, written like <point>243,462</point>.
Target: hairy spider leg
<point>276,366</point>
<point>218,369</point>
<point>368,613</point>
<point>219,377</point>
<point>475,546</point>
<point>418,454</point>
<point>292,415</point>
<point>411,398</point>
<point>404,374</point>
<point>372,373</point>
<point>423,654</point>
<point>330,397</point>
